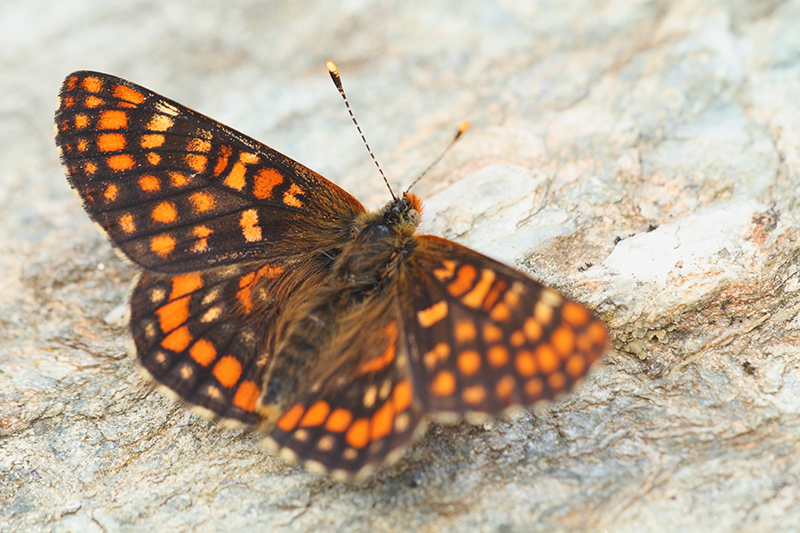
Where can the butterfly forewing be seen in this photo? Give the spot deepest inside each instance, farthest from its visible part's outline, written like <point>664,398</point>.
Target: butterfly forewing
<point>177,191</point>
<point>485,337</point>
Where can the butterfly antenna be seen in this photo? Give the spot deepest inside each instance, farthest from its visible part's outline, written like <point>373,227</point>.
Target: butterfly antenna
<point>338,82</point>
<point>464,126</point>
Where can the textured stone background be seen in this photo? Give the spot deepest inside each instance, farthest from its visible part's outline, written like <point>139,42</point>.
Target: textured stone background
<point>644,157</point>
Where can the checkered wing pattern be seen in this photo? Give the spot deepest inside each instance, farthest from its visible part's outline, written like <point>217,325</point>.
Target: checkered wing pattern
<point>364,412</point>
<point>484,337</point>
<point>177,191</point>
<point>269,297</point>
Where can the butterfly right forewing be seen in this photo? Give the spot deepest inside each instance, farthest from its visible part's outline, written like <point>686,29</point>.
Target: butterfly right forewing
<point>485,337</point>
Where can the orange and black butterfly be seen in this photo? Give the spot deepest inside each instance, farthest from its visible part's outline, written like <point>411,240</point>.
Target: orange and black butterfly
<point>271,298</point>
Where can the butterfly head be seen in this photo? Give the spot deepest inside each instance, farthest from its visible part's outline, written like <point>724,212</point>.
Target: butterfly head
<point>403,214</point>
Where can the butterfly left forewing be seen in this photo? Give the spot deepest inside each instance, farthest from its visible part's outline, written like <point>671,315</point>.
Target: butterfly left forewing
<point>177,191</point>
<point>484,338</point>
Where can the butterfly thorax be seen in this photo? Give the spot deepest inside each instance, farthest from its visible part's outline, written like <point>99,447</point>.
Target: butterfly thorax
<point>317,342</point>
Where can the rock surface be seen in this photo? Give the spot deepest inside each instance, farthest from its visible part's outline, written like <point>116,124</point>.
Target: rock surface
<point>643,157</point>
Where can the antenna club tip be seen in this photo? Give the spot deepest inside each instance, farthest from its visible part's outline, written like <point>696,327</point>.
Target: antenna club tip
<point>464,126</point>
<point>332,68</point>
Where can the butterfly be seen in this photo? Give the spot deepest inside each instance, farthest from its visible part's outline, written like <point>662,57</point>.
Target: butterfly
<point>270,298</point>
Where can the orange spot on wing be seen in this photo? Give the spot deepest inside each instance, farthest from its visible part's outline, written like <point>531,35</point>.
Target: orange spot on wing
<point>433,314</point>
<point>176,179</point>
<point>81,121</point>
<point>465,331</point>
<point>556,381</point>
<point>246,283</point>
<point>249,223</point>
<point>235,178</point>
<point>289,420</point>
<point>162,245</point>
<point>492,333</point>
<point>500,312</point>
<point>575,367</point>
<point>112,119</point>
<point>474,395</point>
<point>444,384</point>
<point>598,333</point>
<point>563,340</point>
<point>93,84</point>
<point>153,158</point>
<point>129,95</point>
<point>532,329</point>
<point>149,183</point>
<point>204,352</point>
<point>111,192</point>
<point>202,233</point>
<point>222,161</point>
<point>120,162</point>
<point>339,420</point>
<point>290,196</point>
<point>446,271</point>
<point>440,352</point>
<point>468,362</point>
<point>494,294</point>
<point>203,201</point>
<point>265,180</point>
<point>382,421</point>
<point>160,123</point>
<point>543,312</point>
<point>126,223</point>
<point>248,158</point>
<point>198,145</point>
<point>574,314</point>
<point>196,162</point>
<point>534,387</point>
<point>184,284</point>
<point>152,140</point>
<point>505,387</point>
<point>402,396</point>
<point>90,168</point>
<point>497,355</point>
<point>358,434</point>
<point>178,340</point>
<point>517,339</point>
<point>173,314</point>
<point>165,212</point>
<point>464,278</point>
<point>316,414</point>
<point>477,295</point>
<point>546,358</point>
<point>93,101</point>
<point>246,396</point>
<point>525,363</point>
<point>228,369</point>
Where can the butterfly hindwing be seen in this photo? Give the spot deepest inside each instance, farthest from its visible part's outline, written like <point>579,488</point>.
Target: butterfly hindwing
<point>361,413</point>
<point>484,337</point>
<point>201,334</point>
<point>177,191</point>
